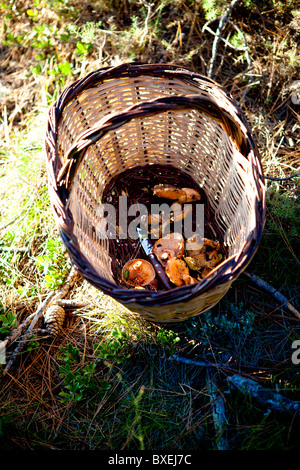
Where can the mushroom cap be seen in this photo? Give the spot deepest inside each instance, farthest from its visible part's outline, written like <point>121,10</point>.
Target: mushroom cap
<point>190,195</point>
<point>178,272</point>
<point>195,248</point>
<point>167,191</point>
<point>205,257</point>
<point>177,194</point>
<point>202,260</point>
<point>178,212</point>
<point>212,243</point>
<point>138,272</point>
<point>170,246</point>
<point>194,245</point>
<point>159,223</point>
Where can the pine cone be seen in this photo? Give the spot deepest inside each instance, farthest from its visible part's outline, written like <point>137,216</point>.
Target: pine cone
<point>54,318</point>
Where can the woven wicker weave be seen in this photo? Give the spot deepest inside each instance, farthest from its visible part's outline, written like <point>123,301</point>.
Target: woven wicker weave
<point>137,116</point>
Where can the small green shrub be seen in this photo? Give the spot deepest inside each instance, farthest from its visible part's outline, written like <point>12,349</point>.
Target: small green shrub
<point>78,379</point>
<point>8,321</point>
<point>114,348</point>
<point>210,8</point>
<point>168,339</point>
<point>53,263</point>
<point>284,214</point>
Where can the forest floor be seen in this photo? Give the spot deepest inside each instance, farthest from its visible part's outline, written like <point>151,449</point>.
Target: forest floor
<point>113,380</point>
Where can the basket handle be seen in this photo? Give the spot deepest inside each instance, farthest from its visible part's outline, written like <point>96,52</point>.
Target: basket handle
<point>230,120</point>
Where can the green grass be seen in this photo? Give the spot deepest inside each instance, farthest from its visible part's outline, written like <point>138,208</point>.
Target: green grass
<point>278,254</point>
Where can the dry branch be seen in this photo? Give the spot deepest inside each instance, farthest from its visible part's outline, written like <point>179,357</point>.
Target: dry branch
<point>18,330</point>
<point>273,400</point>
<point>33,318</point>
<point>70,303</point>
<point>222,21</point>
<point>219,412</point>
<point>20,249</point>
<point>265,396</point>
<point>275,293</point>
<point>193,362</point>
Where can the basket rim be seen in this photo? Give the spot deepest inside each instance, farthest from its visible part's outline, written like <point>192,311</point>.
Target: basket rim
<point>231,267</point>
<point>146,109</point>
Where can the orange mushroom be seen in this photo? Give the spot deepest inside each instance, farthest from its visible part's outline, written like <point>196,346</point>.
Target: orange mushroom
<point>205,257</point>
<point>205,272</point>
<point>178,272</point>
<point>138,273</point>
<point>194,247</point>
<point>170,246</point>
<point>181,195</point>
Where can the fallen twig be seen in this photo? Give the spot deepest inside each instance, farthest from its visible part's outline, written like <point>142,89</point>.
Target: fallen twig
<point>267,397</point>
<point>21,249</point>
<point>70,303</point>
<point>193,362</point>
<point>282,179</point>
<point>12,221</point>
<point>148,7</point>
<point>18,330</point>
<point>275,293</point>
<point>236,48</point>
<point>222,21</point>
<point>216,400</point>
<point>33,318</point>
<point>219,412</point>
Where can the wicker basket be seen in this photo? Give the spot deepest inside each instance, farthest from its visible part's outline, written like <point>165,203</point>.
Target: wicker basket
<point>136,116</point>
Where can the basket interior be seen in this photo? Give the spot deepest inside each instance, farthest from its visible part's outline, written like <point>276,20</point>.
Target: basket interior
<point>137,184</point>
<point>188,141</point>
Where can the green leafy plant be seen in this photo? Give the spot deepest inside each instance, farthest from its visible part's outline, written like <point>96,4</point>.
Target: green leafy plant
<point>33,14</point>
<point>61,71</point>
<point>88,34</point>
<point>64,8</point>
<point>83,49</point>
<point>53,263</point>
<point>8,321</point>
<point>114,348</point>
<point>43,36</point>
<point>11,39</point>
<point>168,339</point>
<point>32,344</point>
<point>237,40</point>
<point>284,214</point>
<point>210,8</point>
<point>78,378</point>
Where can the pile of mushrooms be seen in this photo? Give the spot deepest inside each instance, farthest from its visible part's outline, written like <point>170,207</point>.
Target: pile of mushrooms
<point>200,258</point>
<point>204,258</point>
<point>157,223</point>
<point>169,251</point>
<point>178,259</point>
